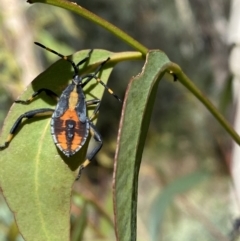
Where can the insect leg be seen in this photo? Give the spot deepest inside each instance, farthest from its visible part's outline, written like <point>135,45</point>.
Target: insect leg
<point>93,153</point>
<point>35,94</point>
<point>27,115</point>
<point>110,91</point>
<point>85,59</point>
<point>96,102</point>
<point>91,76</point>
<point>93,102</point>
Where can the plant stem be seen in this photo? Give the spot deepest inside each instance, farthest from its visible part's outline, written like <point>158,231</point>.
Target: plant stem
<point>181,77</point>
<point>96,19</point>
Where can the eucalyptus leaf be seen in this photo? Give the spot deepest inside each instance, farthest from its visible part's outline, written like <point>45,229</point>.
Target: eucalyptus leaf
<point>136,114</point>
<point>35,177</point>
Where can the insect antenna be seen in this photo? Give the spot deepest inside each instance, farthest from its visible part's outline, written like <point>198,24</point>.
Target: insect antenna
<point>63,57</point>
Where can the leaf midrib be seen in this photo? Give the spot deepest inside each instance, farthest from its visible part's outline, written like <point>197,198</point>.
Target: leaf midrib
<point>36,178</point>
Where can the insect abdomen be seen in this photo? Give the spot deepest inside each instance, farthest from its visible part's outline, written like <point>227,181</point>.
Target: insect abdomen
<point>68,132</point>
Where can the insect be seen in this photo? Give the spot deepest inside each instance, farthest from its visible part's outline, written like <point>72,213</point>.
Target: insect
<point>70,125</point>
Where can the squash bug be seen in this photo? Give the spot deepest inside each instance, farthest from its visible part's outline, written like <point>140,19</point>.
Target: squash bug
<point>70,125</point>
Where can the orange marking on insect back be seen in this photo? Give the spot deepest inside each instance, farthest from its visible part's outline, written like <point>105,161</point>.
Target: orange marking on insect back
<point>69,115</point>
<point>74,147</point>
<point>62,140</point>
<point>61,130</point>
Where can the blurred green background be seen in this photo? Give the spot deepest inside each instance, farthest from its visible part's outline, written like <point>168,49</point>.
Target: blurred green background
<point>185,190</point>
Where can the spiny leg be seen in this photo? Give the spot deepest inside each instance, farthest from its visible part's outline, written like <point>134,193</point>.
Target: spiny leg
<point>28,115</point>
<point>35,94</point>
<point>94,152</point>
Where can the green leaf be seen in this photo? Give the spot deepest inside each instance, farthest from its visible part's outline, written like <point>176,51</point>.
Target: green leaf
<point>134,124</point>
<point>34,177</point>
<point>165,198</point>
